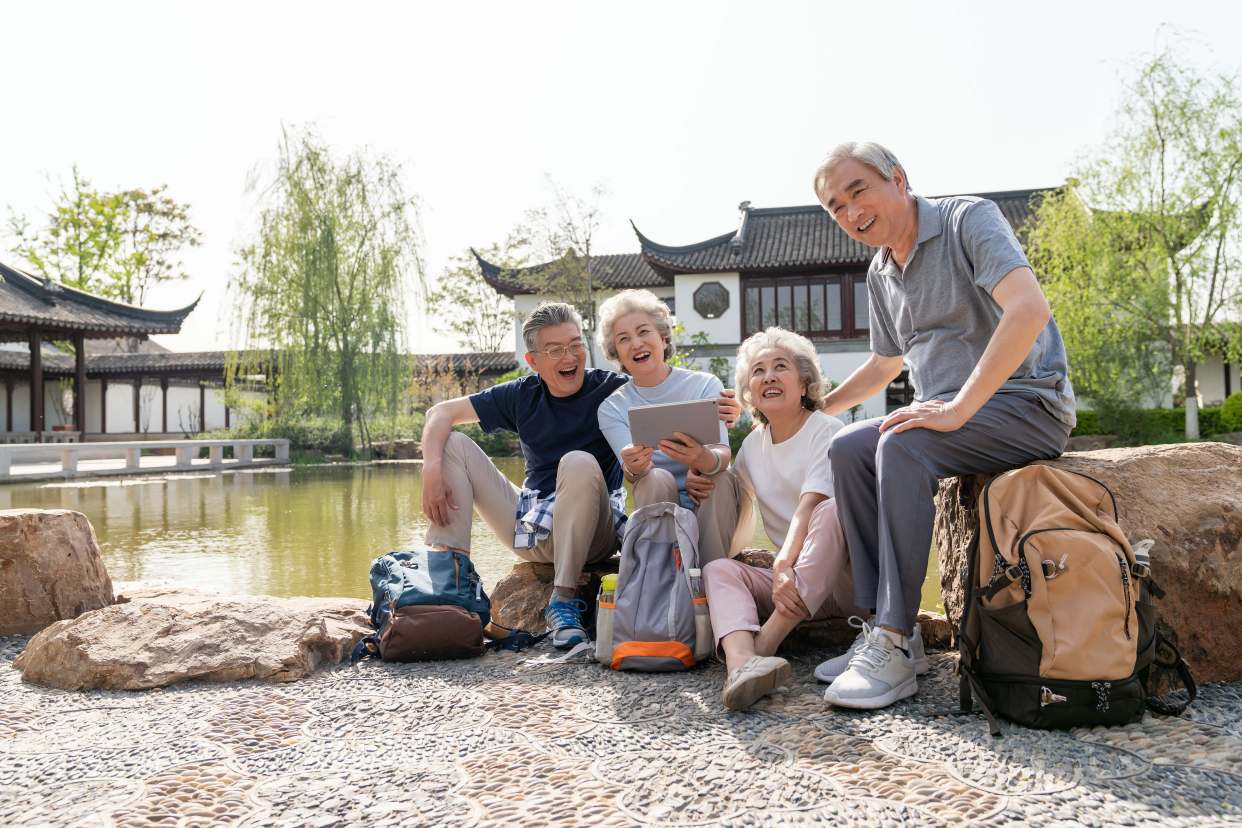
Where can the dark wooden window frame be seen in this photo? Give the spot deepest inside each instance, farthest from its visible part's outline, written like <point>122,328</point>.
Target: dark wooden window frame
<point>845,278</point>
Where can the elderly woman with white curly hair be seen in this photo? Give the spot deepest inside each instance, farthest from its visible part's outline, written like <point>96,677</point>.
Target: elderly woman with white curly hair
<point>635,330</point>
<point>783,463</point>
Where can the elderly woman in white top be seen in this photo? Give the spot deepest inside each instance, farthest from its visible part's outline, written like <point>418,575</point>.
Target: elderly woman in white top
<point>635,330</point>
<point>783,463</point>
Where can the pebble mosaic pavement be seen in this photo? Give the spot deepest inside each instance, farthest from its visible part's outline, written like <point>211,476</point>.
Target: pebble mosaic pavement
<point>512,740</point>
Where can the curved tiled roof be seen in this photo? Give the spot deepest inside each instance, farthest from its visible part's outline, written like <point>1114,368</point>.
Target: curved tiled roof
<point>26,301</point>
<point>791,238</point>
<point>208,362</point>
<point>615,270</point>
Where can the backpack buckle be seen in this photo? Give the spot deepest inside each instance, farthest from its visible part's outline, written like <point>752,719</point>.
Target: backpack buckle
<point>1013,573</point>
<point>1140,570</point>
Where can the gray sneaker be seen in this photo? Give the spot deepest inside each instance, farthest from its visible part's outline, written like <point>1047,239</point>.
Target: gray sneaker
<point>754,680</point>
<point>564,619</point>
<point>879,674</point>
<point>828,671</point>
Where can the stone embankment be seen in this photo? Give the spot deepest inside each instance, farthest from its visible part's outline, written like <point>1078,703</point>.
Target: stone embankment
<point>1185,497</point>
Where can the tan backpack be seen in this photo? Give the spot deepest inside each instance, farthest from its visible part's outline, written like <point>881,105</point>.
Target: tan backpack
<point>1060,629</point>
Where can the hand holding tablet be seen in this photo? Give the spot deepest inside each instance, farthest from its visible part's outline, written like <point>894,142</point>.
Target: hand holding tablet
<point>649,424</point>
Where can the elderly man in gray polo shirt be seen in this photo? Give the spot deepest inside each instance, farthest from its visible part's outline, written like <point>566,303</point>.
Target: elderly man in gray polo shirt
<point>953,297</point>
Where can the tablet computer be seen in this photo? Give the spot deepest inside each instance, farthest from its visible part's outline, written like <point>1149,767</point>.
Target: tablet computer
<point>649,424</point>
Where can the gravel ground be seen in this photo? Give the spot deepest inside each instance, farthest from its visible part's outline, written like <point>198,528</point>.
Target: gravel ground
<point>513,740</point>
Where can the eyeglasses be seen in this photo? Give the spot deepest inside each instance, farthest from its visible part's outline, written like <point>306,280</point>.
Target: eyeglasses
<point>556,352</point>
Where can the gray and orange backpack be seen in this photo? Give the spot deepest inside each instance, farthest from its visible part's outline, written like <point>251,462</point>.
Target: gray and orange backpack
<point>1060,627</point>
<point>658,617</point>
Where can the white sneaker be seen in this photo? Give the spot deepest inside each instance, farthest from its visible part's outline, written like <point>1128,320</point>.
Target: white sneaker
<point>879,674</point>
<point>828,671</point>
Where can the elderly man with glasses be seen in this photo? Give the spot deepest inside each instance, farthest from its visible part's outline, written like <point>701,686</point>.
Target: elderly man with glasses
<point>570,509</point>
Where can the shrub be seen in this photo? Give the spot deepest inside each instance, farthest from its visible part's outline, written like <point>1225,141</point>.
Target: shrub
<point>1231,413</point>
<point>1141,426</point>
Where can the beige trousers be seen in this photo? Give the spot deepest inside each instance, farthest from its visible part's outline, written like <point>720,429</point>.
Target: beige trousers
<point>726,518</point>
<point>582,526</point>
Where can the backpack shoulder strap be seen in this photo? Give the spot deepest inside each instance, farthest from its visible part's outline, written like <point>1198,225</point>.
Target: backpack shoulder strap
<point>1168,660</point>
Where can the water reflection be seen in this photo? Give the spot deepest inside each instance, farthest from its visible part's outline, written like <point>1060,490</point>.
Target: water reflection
<point>305,531</point>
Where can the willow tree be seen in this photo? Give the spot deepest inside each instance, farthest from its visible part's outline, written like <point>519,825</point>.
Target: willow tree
<point>1142,253</point>
<point>323,284</point>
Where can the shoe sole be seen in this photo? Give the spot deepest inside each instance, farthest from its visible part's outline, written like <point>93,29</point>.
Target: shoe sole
<point>573,641</point>
<point>902,691</point>
<point>753,691</point>
<point>921,666</point>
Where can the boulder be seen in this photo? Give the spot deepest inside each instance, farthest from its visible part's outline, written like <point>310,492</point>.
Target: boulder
<point>1090,442</point>
<point>50,569</point>
<point>159,636</point>
<point>1188,498</point>
<point>519,599</point>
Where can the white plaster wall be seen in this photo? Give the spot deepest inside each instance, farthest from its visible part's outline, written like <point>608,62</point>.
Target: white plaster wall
<point>21,407</point>
<point>183,417</point>
<point>215,409</point>
<point>120,408</point>
<point>92,406</point>
<point>725,330</point>
<point>1210,375</point>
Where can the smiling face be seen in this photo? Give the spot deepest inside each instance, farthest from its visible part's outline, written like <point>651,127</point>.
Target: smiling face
<point>869,208</point>
<point>776,389</point>
<point>563,372</point>
<point>640,348</point>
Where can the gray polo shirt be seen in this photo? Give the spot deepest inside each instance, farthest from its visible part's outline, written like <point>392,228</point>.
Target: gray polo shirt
<point>939,314</point>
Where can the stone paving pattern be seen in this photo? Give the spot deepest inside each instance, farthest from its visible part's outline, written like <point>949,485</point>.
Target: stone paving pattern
<point>512,740</point>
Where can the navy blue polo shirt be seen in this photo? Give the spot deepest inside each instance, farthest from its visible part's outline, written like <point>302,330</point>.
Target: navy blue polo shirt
<point>548,426</point>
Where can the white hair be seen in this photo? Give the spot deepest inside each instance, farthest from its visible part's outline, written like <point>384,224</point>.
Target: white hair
<point>545,316</point>
<point>876,156</point>
<point>805,359</point>
<point>634,301</point>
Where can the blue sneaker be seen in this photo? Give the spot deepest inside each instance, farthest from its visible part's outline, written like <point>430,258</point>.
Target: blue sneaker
<point>564,619</point>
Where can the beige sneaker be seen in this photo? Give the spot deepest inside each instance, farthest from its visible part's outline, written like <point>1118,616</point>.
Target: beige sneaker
<point>754,680</point>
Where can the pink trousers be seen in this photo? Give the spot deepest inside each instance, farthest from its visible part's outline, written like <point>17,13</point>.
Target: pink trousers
<point>738,595</point>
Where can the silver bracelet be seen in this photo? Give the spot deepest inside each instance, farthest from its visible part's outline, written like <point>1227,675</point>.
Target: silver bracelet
<point>719,462</point>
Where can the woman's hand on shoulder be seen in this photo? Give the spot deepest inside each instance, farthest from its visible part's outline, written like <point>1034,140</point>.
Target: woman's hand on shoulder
<point>728,407</point>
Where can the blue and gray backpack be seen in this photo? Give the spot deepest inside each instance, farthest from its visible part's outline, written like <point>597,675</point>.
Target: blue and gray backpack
<point>429,604</point>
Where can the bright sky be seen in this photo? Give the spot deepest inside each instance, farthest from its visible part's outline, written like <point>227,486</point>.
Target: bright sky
<point>681,109</point>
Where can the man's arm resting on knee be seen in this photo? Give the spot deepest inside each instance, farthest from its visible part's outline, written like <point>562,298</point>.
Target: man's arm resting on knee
<point>441,417</point>
<point>1024,315</point>
<point>869,379</point>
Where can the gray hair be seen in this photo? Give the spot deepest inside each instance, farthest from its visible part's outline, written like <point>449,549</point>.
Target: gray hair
<point>805,359</point>
<point>876,156</point>
<point>634,301</point>
<point>545,316</point>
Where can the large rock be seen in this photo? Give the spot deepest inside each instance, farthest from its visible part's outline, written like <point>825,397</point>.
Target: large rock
<point>160,636</point>
<point>1188,498</point>
<point>519,599</point>
<point>50,569</point>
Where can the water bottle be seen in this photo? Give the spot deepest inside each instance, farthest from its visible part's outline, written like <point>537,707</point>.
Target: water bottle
<point>704,644</point>
<point>605,606</point>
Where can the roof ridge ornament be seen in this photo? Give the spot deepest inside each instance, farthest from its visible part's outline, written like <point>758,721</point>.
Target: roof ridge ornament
<point>739,238</point>
<point>52,286</point>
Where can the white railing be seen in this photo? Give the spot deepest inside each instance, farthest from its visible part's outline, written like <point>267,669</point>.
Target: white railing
<point>31,461</point>
<point>48,437</point>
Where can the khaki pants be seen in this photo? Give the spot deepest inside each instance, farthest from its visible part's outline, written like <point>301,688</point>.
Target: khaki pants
<point>726,518</point>
<point>582,526</point>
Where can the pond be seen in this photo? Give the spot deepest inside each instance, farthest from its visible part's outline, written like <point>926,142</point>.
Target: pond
<point>309,530</point>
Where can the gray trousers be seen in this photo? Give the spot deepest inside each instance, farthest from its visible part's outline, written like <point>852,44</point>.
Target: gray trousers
<point>885,484</point>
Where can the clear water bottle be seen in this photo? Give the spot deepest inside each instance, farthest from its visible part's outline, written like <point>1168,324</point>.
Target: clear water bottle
<point>704,644</point>
<point>605,606</point>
